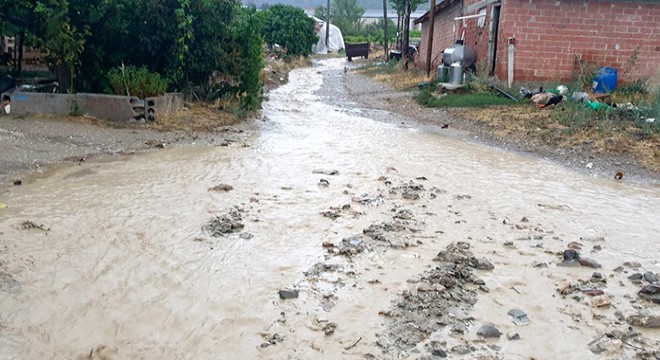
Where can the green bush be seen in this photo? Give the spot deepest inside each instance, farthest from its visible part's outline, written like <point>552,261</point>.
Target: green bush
<point>290,27</point>
<point>136,81</point>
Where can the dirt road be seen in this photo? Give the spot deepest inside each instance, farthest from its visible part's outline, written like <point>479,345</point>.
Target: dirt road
<point>393,241</point>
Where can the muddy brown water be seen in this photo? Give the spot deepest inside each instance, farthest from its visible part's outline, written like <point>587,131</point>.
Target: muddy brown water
<point>125,264</point>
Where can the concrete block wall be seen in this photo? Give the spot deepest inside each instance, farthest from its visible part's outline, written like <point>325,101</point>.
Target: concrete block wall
<point>41,103</point>
<point>107,107</point>
<point>550,33</point>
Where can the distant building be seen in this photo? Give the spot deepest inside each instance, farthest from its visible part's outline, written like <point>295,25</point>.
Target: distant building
<point>549,39</point>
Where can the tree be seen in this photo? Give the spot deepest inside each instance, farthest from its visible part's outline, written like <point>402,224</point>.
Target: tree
<point>289,27</point>
<point>347,16</point>
<point>404,8</point>
<point>321,12</point>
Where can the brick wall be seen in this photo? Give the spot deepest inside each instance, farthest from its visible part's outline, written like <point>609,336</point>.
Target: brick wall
<point>551,33</point>
<point>443,34</point>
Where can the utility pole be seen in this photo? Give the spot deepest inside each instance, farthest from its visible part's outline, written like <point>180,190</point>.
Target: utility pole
<point>406,33</point>
<point>327,28</point>
<point>385,47</point>
<point>429,47</point>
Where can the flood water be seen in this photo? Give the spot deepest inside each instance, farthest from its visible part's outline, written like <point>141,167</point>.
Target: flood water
<point>125,264</point>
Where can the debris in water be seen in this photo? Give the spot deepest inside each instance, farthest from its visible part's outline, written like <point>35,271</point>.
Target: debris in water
<point>325,172</point>
<point>618,176</point>
<point>18,182</point>
<point>353,344</point>
<point>222,187</point>
<point>646,321</point>
<point>225,224</point>
<point>27,225</point>
<point>324,183</point>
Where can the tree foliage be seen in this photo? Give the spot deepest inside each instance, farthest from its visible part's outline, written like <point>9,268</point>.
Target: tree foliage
<point>186,41</point>
<point>347,16</point>
<point>289,27</point>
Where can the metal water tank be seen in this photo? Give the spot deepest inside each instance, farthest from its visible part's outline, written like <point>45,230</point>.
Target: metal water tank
<point>456,73</point>
<point>443,73</point>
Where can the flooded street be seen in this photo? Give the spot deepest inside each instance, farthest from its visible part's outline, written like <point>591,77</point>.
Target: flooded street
<point>126,272</point>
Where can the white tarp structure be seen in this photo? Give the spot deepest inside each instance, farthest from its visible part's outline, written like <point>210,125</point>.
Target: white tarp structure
<point>335,43</point>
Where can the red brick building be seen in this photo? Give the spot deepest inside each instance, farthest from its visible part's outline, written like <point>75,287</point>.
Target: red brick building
<point>549,38</point>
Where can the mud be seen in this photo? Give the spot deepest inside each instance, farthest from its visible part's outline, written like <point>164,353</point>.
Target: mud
<point>127,269</point>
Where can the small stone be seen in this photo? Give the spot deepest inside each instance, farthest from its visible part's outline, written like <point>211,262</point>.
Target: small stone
<point>460,349</point>
<point>632,264</point>
<point>605,345</point>
<point>648,321</point>
<point>597,248</point>
<point>478,282</point>
<point>288,294</point>
<point>651,293</point>
<point>650,277</point>
<point>484,288</point>
<point>484,264</point>
<point>589,263</point>
<point>222,187</point>
<point>489,331</point>
<point>524,219</point>
<point>570,255</point>
<point>596,276</point>
<point>494,347</point>
<point>635,277</point>
<point>619,316</point>
<point>601,301</point>
<point>519,317</point>
<point>329,329</point>
<point>18,182</point>
<point>513,337</point>
<point>439,352</point>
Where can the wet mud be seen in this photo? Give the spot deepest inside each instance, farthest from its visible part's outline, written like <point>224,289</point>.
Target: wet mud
<point>339,236</point>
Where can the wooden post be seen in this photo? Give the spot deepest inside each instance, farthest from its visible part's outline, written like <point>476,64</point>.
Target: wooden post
<point>327,28</point>
<point>406,34</point>
<point>429,47</point>
<point>385,44</point>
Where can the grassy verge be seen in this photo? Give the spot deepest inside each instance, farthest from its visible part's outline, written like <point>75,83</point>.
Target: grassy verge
<point>428,99</point>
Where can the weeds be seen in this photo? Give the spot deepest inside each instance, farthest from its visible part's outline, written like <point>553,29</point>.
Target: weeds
<point>426,98</point>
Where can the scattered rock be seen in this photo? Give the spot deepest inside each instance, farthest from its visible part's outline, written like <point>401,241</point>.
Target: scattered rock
<point>650,277</point>
<point>271,340</point>
<point>601,301</point>
<point>651,293</point>
<point>647,321</point>
<point>225,224</point>
<point>519,317</point>
<point>636,277</point>
<point>329,329</point>
<point>489,331</point>
<point>331,214</point>
<point>222,187</point>
<point>246,236</point>
<point>460,349</point>
<point>324,183</point>
<point>513,337</point>
<point>482,264</point>
<point>588,263</point>
<point>18,182</point>
<point>605,345</point>
<point>288,294</point>
<point>632,264</point>
<point>524,219</point>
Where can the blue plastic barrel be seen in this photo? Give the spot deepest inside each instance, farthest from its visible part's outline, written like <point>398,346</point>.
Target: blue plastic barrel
<point>606,79</point>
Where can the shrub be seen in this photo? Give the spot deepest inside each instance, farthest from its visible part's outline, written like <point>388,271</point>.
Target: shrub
<point>289,27</point>
<point>134,81</point>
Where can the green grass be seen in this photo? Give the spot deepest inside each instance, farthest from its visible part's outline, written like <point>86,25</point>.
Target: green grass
<point>426,98</point>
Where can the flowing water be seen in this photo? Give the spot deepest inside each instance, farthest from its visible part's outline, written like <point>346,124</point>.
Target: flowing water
<point>125,264</point>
